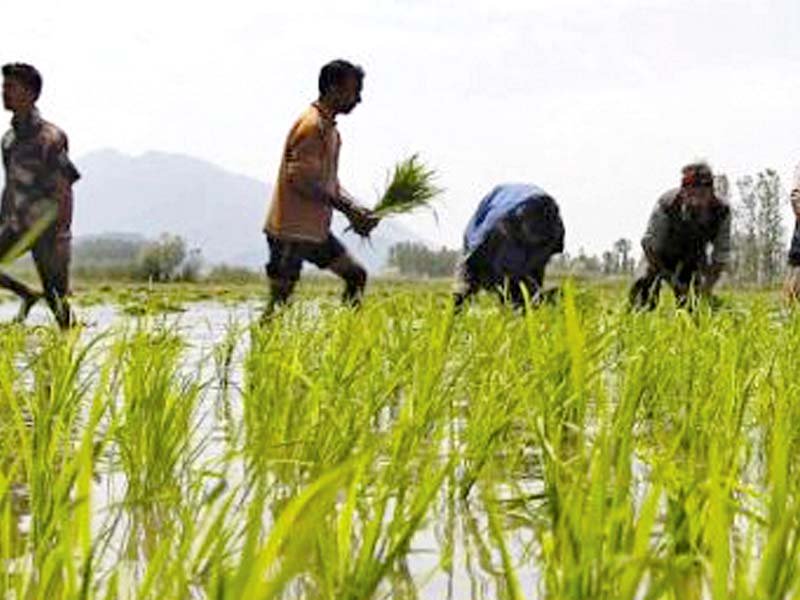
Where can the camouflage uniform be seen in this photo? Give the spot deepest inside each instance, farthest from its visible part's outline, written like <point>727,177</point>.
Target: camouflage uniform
<point>676,247</point>
<point>36,209</point>
<point>512,251</point>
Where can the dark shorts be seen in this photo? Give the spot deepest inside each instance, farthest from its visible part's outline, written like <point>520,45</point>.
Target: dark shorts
<point>286,257</point>
<point>51,254</point>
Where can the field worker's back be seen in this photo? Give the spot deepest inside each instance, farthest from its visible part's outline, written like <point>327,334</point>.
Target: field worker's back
<point>515,226</point>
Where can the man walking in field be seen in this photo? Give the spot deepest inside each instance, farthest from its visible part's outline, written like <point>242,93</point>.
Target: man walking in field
<point>792,286</point>
<point>508,243</point>
<point>36,211</point>
<point>308,189</point>
<point>688,240</point>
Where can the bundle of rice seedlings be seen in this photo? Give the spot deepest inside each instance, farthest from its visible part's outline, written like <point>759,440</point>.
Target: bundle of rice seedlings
<point>411,186</point>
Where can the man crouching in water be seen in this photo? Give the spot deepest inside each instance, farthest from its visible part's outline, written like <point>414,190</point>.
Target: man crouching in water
<point>685,224</point>
<point>508,243</point>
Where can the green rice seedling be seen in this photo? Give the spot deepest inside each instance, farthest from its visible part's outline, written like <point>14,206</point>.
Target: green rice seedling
<point>513,587</point>
<point>575,451</point>
<point>412,186</point>
<point>54,424</point>
<point>154,431</point>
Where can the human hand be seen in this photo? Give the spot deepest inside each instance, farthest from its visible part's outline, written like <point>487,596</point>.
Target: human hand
<point>363,221</point>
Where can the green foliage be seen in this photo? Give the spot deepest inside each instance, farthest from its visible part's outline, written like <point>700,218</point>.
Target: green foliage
<point>413,258</point>
<point>234,275</point>
<point>107,250</point>
<point>160,260</point>
<point>119,257</point>
<point>574,451</point>
<point>412,186</point>
<point>759,244</point>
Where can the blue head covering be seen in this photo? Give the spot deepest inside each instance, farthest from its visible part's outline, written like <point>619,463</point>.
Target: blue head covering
<point>500,202</point>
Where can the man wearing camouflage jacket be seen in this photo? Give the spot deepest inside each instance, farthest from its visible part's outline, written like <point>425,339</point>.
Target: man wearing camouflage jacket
<point>36,211</point>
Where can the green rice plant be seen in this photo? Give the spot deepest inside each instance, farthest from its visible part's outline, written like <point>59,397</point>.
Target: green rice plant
<point>411,186</point>
<point>154,431</point>
<point>575,451</point>
<point>53,420</point>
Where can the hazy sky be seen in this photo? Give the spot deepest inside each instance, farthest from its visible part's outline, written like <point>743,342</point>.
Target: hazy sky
<point>600,103</point>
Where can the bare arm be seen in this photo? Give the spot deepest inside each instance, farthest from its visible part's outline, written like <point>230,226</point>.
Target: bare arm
<point>304,162</point>
<point>345,202</point>
<point>305,169</point>
<point>62,174</point>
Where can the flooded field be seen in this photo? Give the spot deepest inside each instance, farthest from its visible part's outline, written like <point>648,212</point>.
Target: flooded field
<point>172,447</point>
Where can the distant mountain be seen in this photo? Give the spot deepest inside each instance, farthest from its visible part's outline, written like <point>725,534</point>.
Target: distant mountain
<point>213,209</point>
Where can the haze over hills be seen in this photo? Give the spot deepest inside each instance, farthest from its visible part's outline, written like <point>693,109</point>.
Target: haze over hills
<point>213,209</point>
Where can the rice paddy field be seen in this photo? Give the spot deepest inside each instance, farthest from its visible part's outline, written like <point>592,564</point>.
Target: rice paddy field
<point>174,448</point>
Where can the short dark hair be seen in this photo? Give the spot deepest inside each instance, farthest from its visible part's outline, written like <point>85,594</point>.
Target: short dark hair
<point>26,74</point>
<point>697,174</point>
<point>336,72</point>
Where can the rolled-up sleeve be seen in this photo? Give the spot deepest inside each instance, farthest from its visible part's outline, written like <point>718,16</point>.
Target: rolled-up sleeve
<point>657,229</point>
<point>61,173</point>
<point>58,160</point>
<point>721,252</point>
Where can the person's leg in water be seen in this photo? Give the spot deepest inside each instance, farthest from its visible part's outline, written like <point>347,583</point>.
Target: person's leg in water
<point>51,255</point>
<point>332,255</point>
<point>280,290</point>
<point>283,272</point>
<point>9,238</point>
<point>354,276</point>
<point>684,283</point>
<point>646,289</point>
<point>28,297</point>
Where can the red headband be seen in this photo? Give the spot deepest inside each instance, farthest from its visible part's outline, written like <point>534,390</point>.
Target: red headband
<point>695,178</point>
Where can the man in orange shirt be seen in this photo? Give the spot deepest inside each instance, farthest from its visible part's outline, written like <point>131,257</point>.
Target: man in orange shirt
<point>308,189</point>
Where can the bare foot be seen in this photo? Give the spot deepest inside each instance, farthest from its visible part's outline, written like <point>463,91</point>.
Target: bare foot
<point>25,307</point>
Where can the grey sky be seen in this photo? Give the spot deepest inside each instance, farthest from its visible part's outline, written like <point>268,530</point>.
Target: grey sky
<point>600,103</point>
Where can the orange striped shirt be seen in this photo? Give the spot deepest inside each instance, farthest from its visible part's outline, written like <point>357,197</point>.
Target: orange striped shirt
<point>308,176</point>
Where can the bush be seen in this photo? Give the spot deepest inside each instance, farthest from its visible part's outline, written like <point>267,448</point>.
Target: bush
<point>167,259</point>
<point>235,275</point>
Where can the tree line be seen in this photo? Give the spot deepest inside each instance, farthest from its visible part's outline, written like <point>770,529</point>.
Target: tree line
<point>167,258</point>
